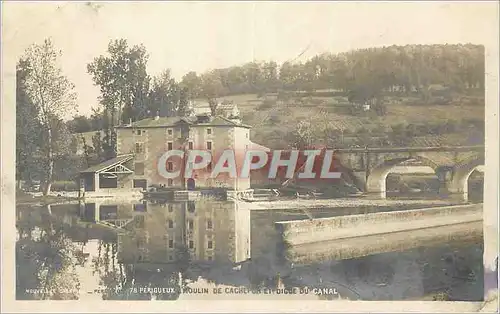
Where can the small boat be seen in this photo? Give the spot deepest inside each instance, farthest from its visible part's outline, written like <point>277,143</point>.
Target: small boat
<point>260,199</point>
<point>309,195</point>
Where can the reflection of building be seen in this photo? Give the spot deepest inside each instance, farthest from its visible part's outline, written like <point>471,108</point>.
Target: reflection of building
<point>110,214</point>
<point>172,232</point>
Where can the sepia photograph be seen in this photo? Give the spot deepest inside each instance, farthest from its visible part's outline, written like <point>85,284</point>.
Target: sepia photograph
<point>251,151</point>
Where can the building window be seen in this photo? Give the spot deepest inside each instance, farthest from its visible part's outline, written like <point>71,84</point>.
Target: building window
<point>209,224</point>
<point>170,166</point>
<point>169,145</point>
<point>170,207</point>
<point>247,134</point>
<point>170,224</point>
<point>191,244</point>
<point>139,132</point>
<point>209,145</point>
<point>170,182</point>
<point>170,244</point>
<point>139,148</point>
<point>209,131</point>
<point>190,224</point>
<point>190,145</point>
<point>209,257</point>
<point>140,183</point>
<point>210,244</point>
<point>139,168</point>
<point>170,258</point>
<point>169,131</point>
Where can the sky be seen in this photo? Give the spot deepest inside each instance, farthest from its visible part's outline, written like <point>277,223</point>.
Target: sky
<point>197,36</point>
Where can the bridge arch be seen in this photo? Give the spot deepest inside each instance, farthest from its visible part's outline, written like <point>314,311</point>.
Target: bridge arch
<point>376,181</point>
<point>460,176</point>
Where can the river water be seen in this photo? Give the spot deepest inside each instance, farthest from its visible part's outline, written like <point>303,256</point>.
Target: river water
<point>157,250</point>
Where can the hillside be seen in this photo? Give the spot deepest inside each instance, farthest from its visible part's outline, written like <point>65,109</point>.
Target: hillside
<point>384,96</point>
<point>273,120</point>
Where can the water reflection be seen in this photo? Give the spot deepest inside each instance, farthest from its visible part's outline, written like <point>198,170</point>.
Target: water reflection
<point>46,260</point>
<point>155,250</point>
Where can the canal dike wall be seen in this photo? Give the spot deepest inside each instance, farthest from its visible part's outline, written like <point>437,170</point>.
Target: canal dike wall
<point>353,236</point>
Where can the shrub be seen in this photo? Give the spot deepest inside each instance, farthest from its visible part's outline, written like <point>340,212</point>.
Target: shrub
<point>329,94</point>
<point>266,104</point>
<point>64,186</point>
<point>316,101</point>
<point>274,119</point>
<point>441,296</point>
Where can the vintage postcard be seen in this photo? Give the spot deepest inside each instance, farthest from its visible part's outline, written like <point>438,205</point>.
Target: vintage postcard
<point>249,156</point>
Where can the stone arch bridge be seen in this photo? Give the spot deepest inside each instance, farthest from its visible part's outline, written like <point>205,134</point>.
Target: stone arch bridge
<point>368,168</point>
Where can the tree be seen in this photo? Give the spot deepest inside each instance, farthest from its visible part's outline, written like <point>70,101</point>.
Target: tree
<point>124,86</point>
<point>183,106</point>
<point>396,69</point>
<point>53,96</point>
<point>362,94</point>
<point>212,89</point>
<point>162,97</point>
<point>192,82</point>
<point>27,128</point>
<point>46,258</point>
<point>270,73</point>
<point>80,124</point>
<point>168,98</point>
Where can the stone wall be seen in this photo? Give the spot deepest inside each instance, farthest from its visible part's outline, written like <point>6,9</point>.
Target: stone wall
<point>356,247</point>
<point>325,229</point>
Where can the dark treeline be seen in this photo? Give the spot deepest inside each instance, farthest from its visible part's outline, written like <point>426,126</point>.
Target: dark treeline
<point>403,68</point>
<point>45,149</point>
<point>129,92</point>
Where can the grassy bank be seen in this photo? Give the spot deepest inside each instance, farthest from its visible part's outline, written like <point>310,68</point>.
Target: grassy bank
<point>28,199</point>
<point>273,119</point>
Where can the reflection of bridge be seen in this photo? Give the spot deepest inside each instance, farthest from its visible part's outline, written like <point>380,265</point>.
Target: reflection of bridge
<point>369,167</point>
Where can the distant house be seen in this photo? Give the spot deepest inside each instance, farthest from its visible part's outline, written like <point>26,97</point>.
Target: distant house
<point>200,107</point>
<point>228,110</point>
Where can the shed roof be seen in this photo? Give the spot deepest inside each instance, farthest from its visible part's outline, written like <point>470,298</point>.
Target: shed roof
<point>108,163</point>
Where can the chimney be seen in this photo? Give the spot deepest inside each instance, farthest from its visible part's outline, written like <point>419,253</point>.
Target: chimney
<point>130,121</point>
<point>157,115</point>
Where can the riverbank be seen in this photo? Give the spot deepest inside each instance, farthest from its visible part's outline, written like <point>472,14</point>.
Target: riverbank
<point>32,199</point>
<point>23,198</point>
